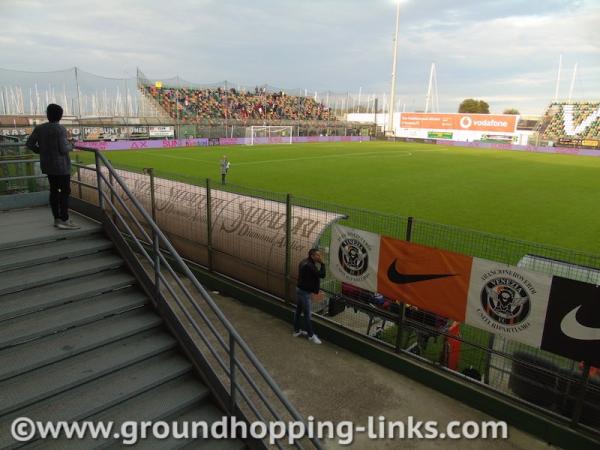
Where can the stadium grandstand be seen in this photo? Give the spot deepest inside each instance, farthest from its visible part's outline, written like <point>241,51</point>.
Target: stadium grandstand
<point>192,105</point>
<point>571,123</point>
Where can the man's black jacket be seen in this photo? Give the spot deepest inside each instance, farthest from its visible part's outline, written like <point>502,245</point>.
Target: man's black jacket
<point>50,141</point>
<point>309,276</point>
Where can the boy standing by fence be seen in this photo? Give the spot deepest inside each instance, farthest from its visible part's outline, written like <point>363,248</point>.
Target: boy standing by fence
<point>49,140</point>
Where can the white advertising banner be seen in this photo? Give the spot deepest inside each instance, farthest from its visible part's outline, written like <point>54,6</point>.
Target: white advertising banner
<point>354,256</point>
<point>249,231</point>
<point>508,301</point>
<point>161,131</point>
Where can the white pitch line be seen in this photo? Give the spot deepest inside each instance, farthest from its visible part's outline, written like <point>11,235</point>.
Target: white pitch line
<point>337,155</point>
<point>160,155</point>
<point>342,155</point>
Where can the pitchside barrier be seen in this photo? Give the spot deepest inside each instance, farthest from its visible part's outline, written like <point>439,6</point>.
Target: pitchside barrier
<point>497,146</point>
<point>258,238</point>
<point>205,142</point>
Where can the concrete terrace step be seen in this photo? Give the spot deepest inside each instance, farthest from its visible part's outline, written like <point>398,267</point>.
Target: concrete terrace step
<point>98,395</point>
<point>50,349</point>
<point>29,226</point>
<point>50,380</point>
<point>80,341</point>
<point>161,403</point>
<point>210,414</point>
<point>33,326</point>
<point>26,278</point>
<point>52,251</point>
<point>43,297</point>
<point>199,412</point>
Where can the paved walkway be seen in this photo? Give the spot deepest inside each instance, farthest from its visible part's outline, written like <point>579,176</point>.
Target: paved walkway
<point>331,383</point>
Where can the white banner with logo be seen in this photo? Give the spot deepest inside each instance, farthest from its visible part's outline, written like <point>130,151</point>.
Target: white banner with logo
<point>508,301</point>
<point>354,256</point>
<point>161,132</point>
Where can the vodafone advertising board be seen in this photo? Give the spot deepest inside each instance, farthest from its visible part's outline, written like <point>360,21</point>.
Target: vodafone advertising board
<point>503,123</point>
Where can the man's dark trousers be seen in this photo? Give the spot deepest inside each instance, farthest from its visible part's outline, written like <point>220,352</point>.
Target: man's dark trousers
<point>60,189</point>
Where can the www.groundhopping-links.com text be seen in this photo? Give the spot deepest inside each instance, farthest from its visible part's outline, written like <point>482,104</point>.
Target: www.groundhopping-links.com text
<point>25,429</point>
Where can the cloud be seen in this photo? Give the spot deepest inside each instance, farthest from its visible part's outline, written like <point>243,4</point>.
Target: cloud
<point>502,50</point>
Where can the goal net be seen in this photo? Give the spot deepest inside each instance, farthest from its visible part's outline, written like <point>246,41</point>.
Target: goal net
<point>269,135</point>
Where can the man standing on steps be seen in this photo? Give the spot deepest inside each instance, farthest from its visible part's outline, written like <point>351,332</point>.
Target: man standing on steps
<point>49,140</point>
<point>309,280</point>
<point>224,168</point>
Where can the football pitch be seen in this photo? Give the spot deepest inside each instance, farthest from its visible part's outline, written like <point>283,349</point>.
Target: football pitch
<point>546,198</point>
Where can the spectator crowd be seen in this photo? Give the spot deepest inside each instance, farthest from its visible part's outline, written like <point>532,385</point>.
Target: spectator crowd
<point>190,105</point>
<point>553,125</point>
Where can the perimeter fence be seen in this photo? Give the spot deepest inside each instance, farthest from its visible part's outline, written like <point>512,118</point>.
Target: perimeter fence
<point>258,237</point>
<point>85,94</point>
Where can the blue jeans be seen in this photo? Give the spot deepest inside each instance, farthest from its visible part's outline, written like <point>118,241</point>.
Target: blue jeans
<point>303,306</point>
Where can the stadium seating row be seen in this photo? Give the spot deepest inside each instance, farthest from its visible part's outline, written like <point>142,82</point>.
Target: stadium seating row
<point>571,120</point>
<point>193,105</point>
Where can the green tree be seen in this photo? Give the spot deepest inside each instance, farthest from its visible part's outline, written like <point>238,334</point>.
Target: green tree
<point>511,111</point>
<point>473,106</point>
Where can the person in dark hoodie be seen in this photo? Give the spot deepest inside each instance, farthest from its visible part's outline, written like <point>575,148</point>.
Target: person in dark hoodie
<point>49,140</point>
<point>309,280</point>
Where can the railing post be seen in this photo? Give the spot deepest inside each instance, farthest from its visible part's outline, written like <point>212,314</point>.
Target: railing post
<point>209,224</point>
<point>112,195</point>
<point>399,332</point>
<point>99,180</point>
<point>150,172</point>
<point>32,182</point>
<point>232,379</point>
<point>79,189</point>
<point>288,245</point>
<point>488,359</point>
<point>155,241</point>
<point>585,377</point>
<point>409,228</point>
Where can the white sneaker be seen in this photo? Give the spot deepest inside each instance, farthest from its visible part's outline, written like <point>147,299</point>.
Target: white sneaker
<point>56,222</point>
<point>314,339</point>
<point>299,333</point>
<point>67,225</point>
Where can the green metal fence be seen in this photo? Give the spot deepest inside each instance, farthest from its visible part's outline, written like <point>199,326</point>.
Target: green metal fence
<point>546,382</point>
<point>19,169</point>
<point>552,384</point>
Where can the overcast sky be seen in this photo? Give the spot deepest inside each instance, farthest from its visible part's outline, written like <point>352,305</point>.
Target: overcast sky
<point>503,51</point>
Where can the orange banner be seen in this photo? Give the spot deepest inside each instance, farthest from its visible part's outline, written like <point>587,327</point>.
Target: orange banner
<point>466,122</point>
<point>428,278</point>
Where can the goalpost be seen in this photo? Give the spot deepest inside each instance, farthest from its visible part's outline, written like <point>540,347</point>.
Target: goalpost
<point>269,135</point>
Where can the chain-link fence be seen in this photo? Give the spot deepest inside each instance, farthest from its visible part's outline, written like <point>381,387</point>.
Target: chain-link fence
<point>84,94</point>
<point>259,237</point>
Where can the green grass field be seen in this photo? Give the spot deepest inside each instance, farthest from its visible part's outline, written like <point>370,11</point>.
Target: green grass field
<point>545,198</point>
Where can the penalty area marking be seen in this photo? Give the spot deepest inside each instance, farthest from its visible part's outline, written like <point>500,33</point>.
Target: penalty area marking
<point>304,158</point>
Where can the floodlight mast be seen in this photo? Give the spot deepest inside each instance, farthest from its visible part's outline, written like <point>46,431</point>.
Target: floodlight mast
<point>428,96</point>
<point>394,61</point>
<point>558,78</point>
<point>573,82</point>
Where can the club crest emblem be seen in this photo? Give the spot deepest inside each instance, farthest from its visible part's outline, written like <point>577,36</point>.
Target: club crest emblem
<point>505,301</point>
<point>353,257</point>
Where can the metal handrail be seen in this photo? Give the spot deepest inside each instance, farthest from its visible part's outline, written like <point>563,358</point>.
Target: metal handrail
<point>24,177</point>
<point>18,161</point>
<point>160,242</point>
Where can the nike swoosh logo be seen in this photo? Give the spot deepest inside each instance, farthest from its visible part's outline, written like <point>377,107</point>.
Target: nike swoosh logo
<point>571,327</point>
<point>401,278</point>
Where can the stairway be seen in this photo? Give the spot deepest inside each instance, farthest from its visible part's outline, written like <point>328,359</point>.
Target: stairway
<point>80,341</point>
